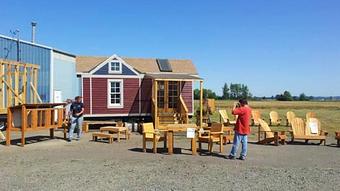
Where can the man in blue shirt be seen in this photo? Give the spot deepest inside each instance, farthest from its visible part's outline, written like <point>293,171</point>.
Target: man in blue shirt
<point>76,113</point>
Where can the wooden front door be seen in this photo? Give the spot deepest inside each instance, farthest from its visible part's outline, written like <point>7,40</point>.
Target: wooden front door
<point>167,96</point>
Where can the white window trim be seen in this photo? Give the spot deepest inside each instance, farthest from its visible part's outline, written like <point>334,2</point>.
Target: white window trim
<point>113,71</point>
<point>109,105</point>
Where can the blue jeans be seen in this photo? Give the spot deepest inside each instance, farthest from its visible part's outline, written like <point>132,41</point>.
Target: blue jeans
<point>237,139</point>
<point>76,122</point>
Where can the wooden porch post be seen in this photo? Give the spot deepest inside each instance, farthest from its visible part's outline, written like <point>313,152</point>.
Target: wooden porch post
<point>201,104</point>
<point>156,103</point>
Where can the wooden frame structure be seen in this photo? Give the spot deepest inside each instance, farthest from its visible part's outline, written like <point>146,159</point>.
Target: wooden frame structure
<point>18,84</point>
<point>34,117</point>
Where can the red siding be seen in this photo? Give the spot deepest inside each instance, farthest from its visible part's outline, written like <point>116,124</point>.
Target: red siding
<point>86,95</point>
<point>187,94</point>
<point>100,95</point>
<point>131,96</point>
<point>146,91</point>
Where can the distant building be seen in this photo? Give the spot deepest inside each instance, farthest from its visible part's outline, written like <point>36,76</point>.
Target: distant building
<point>57,68</point>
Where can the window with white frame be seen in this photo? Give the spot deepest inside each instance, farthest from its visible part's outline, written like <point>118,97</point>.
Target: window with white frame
<point>115,91</point>
<point>115,67</point>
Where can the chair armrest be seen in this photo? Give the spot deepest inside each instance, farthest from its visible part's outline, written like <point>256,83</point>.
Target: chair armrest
<point>155,133</point>
<point>216,133</point>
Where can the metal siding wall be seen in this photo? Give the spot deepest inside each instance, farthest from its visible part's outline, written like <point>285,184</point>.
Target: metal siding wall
<point>34,55</point>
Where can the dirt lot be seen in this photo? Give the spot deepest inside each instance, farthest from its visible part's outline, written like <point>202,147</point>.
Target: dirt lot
<point>86,165</point>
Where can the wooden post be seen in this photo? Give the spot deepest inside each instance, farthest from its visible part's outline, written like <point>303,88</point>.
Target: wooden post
<point>24,87</point>
<point>23,124</point>
<point>35,83</point>
<point>16,84</point>
<point>156,103</point>
<point>32,81</point>
<point>170,140</point>
<point>193,146</point>
<point>2,92</point>
<point>201,104</point>
<point>8,90</point>
<point>9,126</point>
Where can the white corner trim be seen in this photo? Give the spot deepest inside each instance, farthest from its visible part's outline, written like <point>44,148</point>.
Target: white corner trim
<point>111,76</point>
<point>51,76</point>
<point>90,95</point>
<point>109,105</point>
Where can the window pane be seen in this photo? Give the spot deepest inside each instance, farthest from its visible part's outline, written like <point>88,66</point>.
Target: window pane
<point>115,66</point>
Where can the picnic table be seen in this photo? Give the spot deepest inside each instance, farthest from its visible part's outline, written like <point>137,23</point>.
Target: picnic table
<point>171,129</point>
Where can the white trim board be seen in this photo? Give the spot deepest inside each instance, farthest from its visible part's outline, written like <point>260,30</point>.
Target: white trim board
<point>110,76</point>
<point>118,115</point>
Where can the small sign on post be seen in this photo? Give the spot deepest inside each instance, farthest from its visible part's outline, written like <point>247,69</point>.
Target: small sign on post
<point>191,133</point>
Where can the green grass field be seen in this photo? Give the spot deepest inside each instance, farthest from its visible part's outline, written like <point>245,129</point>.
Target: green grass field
<point>327,112</point>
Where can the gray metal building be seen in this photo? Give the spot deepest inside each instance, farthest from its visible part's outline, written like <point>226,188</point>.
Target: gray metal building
<point>57,79</point>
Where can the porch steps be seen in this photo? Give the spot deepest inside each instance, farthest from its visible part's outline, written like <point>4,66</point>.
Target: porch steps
<point>169,118</point>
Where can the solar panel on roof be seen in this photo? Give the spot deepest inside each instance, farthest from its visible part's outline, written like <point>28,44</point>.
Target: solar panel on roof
<point>164,65</point>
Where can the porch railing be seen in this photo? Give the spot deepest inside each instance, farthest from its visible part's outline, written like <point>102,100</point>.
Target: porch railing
<point>183,111</point>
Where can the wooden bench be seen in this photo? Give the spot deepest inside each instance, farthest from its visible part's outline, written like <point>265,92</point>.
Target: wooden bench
<point>96,136</point>
<point>116,130</point>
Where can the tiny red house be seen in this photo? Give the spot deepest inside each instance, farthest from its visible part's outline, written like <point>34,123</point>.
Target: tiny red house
<point>125,87</point>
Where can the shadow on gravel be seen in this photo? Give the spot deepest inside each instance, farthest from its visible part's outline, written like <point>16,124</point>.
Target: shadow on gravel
<point>161,151</point>
<point>333,145</point>
<point>31,140</point>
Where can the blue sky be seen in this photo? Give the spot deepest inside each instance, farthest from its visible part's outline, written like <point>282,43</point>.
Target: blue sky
<point>271,46</point>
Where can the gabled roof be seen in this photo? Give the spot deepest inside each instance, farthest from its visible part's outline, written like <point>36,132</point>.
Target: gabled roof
<point>143,65</point>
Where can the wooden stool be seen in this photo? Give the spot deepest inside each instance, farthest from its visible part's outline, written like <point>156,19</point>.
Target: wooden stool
<point>95,136</point>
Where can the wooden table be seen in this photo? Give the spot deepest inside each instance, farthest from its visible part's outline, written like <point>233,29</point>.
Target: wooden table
<point>175,128</point>
<point>118,130</point>
<point>87,123</point>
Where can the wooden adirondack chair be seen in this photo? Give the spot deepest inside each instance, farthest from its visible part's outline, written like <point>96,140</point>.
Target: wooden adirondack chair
<point>310,115</point>
<point>337,138</point>
<point>274,118</point>
<point>256,115</point>
<point>269,135</point>
<point>224,118</point>
<point>302,131</point>
<point>214,135</point>
<point>289,117</point>
<point>152,135</point>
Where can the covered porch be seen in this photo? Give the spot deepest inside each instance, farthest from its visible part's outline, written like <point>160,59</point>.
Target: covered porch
<point>170,98</point>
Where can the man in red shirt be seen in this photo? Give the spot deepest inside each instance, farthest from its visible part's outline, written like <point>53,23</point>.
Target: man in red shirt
<point>242,129</point>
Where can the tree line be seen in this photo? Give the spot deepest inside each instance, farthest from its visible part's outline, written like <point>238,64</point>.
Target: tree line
<point>236,91</point>
<point>232,91</point>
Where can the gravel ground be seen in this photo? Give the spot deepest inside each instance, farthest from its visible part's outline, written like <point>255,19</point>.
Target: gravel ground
<point>86,165</point>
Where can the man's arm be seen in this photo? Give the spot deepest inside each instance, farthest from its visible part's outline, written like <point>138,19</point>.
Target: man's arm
<point>81,112</point>
<point>237,111</point>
